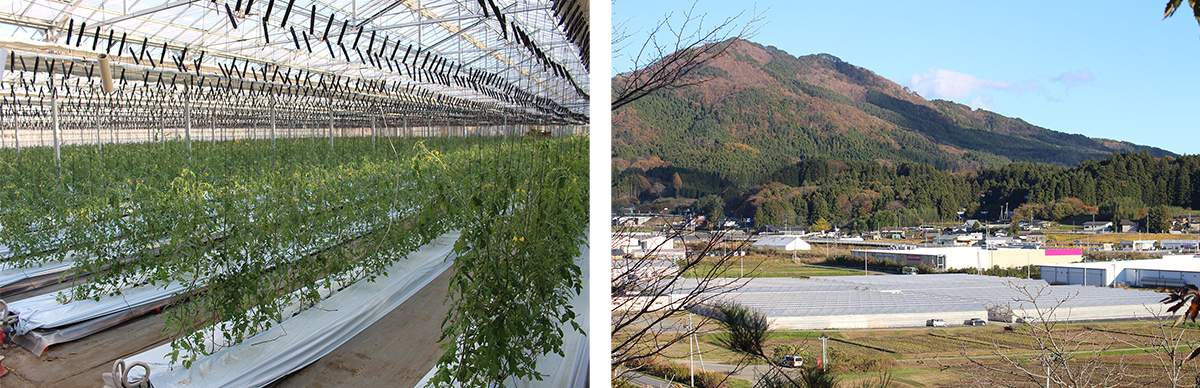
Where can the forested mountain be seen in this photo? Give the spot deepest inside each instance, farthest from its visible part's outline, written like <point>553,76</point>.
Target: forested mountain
<point>815,140</point>
<point>764,110</point>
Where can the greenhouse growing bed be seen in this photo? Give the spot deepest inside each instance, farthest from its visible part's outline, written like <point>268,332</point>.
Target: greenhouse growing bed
<point>307,336</point>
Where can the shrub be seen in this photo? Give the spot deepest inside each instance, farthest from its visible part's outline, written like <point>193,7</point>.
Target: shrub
<point>865,363</point>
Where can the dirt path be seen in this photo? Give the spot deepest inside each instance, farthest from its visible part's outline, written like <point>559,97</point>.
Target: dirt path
<point>396,351</point>
<point>80,363</point>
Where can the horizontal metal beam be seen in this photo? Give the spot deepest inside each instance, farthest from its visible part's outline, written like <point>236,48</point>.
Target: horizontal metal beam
<point>144,12</point>
<point>25,21</point>
<point>448,19</point>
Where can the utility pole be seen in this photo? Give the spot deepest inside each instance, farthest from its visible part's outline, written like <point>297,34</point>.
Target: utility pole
<point>691,360</point>
<point>824,353</point>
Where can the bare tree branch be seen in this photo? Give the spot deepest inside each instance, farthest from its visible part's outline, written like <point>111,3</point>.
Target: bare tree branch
<point>673,51</point>
<point>1063,354</point>
<point>646,298</point>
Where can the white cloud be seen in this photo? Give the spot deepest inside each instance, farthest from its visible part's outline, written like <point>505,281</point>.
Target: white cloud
<point>1072,78</point>
<point>982,101</point>
<point>948,84</point>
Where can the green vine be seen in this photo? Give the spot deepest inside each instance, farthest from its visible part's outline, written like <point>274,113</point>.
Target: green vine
<point>253,230</point>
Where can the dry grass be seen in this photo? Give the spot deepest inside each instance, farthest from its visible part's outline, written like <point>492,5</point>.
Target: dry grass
<point>921,357</point>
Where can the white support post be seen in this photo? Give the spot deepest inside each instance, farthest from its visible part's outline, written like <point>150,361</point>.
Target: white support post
<point>272,118</point>
<point>99,142</point>
<point>187,119</point>
<point>331,124</point>
<point>54,130</point>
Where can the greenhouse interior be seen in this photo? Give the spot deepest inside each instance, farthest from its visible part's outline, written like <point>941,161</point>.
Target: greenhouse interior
<point>247,193</point>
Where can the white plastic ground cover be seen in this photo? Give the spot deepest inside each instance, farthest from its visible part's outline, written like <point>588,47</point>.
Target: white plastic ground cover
<point>309,335</point>
<point>569,370</point>
<point>10,276</point>
<point>44,311</point>
<point>44,322</point>
<point>38,340</point>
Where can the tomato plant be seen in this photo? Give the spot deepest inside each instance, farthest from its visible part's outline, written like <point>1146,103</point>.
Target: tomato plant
<point>249,227</point>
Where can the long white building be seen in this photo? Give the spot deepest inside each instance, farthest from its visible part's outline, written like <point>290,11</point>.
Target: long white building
<point>946,258</point>
<point>1169,271</point>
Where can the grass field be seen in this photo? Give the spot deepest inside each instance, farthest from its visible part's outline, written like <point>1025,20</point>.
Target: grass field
<point>770,263</point>
<point>758,266</point>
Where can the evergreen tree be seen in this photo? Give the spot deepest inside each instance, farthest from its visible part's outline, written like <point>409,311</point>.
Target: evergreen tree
<point>1159,220</point>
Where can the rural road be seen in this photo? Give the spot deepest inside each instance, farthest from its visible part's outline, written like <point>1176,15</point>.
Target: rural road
<point>642,380</point>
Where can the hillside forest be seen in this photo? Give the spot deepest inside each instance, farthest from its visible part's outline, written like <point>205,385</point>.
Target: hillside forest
<point>822,192</point>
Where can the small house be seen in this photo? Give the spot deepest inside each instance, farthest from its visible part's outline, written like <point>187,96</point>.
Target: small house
<point>1138,245</point>
<point>1097,226</point>
<point>1175,245</point>
<point>894,233</point>
<point>1190,222</point>
<point>1035,237</point>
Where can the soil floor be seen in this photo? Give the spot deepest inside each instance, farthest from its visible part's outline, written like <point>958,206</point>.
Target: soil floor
<point>396,351</point>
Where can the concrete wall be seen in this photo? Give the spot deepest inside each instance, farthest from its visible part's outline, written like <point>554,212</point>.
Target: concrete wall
<point>1108,274</point>
<point>1098,275</point>
<point>874,321</point>
<point>974,257</point>
<point>1062,314</point>
<point>1157,278</point>
<point>967,258</point>
<point>1008,258</point>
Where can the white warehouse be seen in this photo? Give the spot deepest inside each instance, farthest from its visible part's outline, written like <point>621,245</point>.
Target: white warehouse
<point>785,242</point>
<point>1169,271</point>
<point>946,258</point>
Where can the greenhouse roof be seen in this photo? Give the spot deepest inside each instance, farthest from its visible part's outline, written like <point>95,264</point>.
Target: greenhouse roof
<point>865,295</point>
<point>529,56</point>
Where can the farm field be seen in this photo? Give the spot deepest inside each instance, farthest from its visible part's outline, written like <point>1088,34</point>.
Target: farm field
<point>955,356</point>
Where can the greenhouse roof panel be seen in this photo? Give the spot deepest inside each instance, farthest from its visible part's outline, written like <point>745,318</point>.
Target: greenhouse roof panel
<point>421,44</point>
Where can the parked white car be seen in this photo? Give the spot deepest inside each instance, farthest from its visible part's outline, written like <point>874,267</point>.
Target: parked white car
<point>936,323</point>
<point>791,361</point>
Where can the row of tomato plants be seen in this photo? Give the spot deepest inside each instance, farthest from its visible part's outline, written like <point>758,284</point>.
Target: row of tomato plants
<point>243,223</point>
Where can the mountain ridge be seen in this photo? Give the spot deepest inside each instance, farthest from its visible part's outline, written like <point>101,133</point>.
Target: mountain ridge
<point>763,108</point>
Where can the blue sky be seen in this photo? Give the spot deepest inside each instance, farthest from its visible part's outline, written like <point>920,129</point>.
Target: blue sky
<point>1113,70</point>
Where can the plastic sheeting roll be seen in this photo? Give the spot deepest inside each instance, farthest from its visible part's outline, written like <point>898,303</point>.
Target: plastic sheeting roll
<point>106,74</point>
